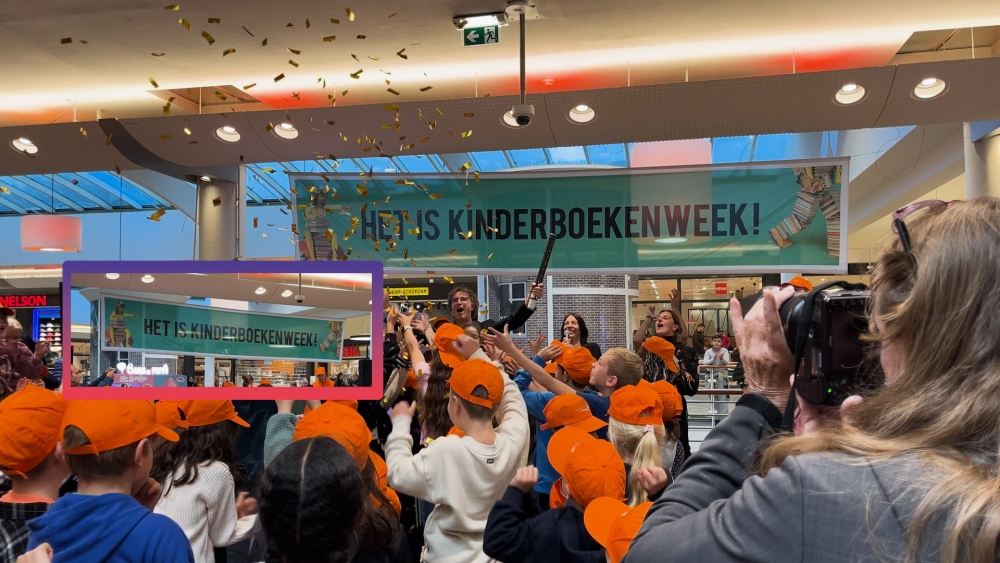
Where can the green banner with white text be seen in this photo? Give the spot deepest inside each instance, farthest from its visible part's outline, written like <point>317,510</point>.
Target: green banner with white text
<point>751,218</point>
<point>130,325</point>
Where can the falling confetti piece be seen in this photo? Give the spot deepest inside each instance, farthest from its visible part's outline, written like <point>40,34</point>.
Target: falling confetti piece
<point>153,82</point>
<point>350,14</point>
<point>476,175</point>
<point>192,143</point>
<point>296,96</point>
<point>432,125</point>
<point>363,37</point>
<point>220,95</point>
<point>263,235</point>
<point>248,31</point>
<point>439,112</point>
<point>462,24</point>
<point>344,93</point>
<point>228,52</point>
<point>426,88</point>
<point>308,25</point>
<point>435,196</point>
<point>279,77</point>
<point>387,83</point>
<point>255,222</point>
<point>362,190</point>
<point>290,24</point>
<point>425,139</point>
<point>249,86</point>
<point>401,55</point>
<point>374,59</point>
<point>208,37</point>
<point>468,206</point>
<point>217,201</point>
<point>214,20</point>
<point>294,51</point>
<point>391,91</point>
<point>157,214</point>
<point>490,257</point>
<point>66,40</point>
<point>452,251</point>
<point>108,141</point>
<point>466,134</point>
<point>391,107</point>
<point>164,137</point>
<point>293,63</point>
<point>295,229</point>
<point>449,280</point>
<point>333,20</point>
<point>465,167</point>
<point>185,23</point>
<point>83,132</point>
<point>357,75</point>
<point>157,54</point>
<point>118,170</point>
<point>186,131</point>
<point>412,261</point>
<point>172,7</point>
<point>406,147</point>
<point>468,114</point>
<point>329,39</point>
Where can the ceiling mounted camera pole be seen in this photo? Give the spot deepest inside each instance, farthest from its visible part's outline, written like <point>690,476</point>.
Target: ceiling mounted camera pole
<point>521,21</point>
<point>523,112</point>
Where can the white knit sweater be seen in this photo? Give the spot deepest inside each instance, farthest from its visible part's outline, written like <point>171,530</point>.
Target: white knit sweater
<point>206,511</point>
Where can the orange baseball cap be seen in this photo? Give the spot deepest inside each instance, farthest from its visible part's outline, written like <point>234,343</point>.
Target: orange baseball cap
<point>382,480</point>
<point>320,370</point>
<point>265,381</point>
<point>636,404</point>
<point>339,422</point>
<point>454,431</point>
<point>578,363</point>
<point>800,282</point>
<point>614,525</point>
<point>349,403</point>
<point>168,414</point>
<point>110,425</point>
<point>411,380</point>
<point>444,341</point>
<point>204,413</point>
<point>563,442</point>
<point>663,349</point>
<point>30,419</point>
<point>670,398</point>
<point>470,374</point>
<point>571,410</point>
<point>556,497</point>
<point>590,467</point>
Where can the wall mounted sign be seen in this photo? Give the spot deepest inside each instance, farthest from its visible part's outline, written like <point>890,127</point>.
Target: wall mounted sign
<point>13,301</point>
<point>777,217</point>
<point>151,326</point>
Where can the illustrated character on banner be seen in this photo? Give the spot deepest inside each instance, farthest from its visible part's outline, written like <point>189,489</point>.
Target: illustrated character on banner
<point>319,239</point>
<point>817,194</point>
<point>117,335</point>
<point>333,338</point>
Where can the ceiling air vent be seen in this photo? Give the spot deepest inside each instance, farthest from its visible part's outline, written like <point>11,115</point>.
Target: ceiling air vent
<point>209,99</point>
<point>949,45</point>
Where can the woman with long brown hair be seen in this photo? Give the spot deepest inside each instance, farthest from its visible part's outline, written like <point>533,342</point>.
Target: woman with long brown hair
<point>911,473</point>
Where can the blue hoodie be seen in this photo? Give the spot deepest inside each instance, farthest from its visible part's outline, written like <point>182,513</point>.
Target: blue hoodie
<point>112,528</point>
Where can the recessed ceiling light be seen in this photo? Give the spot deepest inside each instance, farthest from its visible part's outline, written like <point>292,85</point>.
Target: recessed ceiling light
<point>148,279</point>
<point>112,276</point>
<point>24,145</point>
<point>228,134</point>
<point>286,293</point>
<point>671,240</point>
<point>260,291</point>
<point>369,301</point>
<point>285,131</point>
<point>850,94</point>
<point>206,179</point>
<point>582,114</point>
<point>930,88</point>
<point>509,121</point>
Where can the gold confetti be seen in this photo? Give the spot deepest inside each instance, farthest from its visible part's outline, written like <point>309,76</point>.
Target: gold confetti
<point>107,142</point>
<point>476,175</point>
<point>426,88</point>
<point>249,86</point>
<point>264,42</point>
<point>344,93</point>
<point>329,235</point>
<point>248,31</point>
<point>343,136</point>
<point>172,7</point>
<point>187,131</point>
<point>357,75</point>
<point>279,77</point>
<point>407,147</point>
<point>466,134</point>
<point>449,280</point>
<point>157,54</point>
<point>308,25</point>
<point>362,190</point>
<point>376,246</point>
<point>412,261</point>
<point>452,251</point>
<point>263,235</point>
<point>406,253</point>
<point>432,125</point>
<point>220,95</point>
<point>468,114</point>
<point>391,107</point>
<point>293,63</point>
<point>414,231</point>
<point>350,14</point>
<point>391,91</point>
<point>164,137</point>
<point>294,51</point>
<point>217,201</point>
<point>157,214</point>
<point>435,196</point>
<point>401,55</point>
<point>83,132</point>
<point>4,190</point>
<point>425,139</point>
<point>462,24</point>
<point>153,82</point>
<point>208,37</point>
<point>363,37</point>
<point>290,24</point>
<point>329,39</point>
<point>349,250</point>
<point>490,257</point>
<point>388,217</point>
<point>333,20</point>
<point>268,170</point>
<point>406,282</point>
<point>465,167</point>
<point>441,113</point>
<point>255,222</point>
<point>468,206</point>
<point>228,52</point>
<point>214,20</point>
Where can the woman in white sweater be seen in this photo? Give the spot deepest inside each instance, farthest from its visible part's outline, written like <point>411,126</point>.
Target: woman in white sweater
<point>197,476</point>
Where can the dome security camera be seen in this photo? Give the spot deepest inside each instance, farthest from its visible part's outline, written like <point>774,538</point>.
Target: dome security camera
<point>523,114</point>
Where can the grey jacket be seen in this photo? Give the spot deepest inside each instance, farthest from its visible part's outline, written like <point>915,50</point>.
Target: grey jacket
<point>815,508</point>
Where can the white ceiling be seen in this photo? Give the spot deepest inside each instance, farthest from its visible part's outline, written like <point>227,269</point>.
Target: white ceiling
<point>581,44</point>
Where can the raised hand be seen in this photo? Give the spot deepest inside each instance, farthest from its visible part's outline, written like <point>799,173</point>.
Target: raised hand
<point>537,345</point>
<point>245,505</point>
<point>525,478</point>
<point>500,339</point>
<point>550,353</point>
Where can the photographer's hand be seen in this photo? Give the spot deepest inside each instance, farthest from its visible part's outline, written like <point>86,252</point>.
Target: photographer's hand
<point>809,417</point>
<point>766,358</point>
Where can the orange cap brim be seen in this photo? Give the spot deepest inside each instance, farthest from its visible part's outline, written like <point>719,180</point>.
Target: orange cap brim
<point>592,424</point>
<point>600,514</point>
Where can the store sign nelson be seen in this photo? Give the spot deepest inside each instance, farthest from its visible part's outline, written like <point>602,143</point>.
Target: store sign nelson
<point>746,219</point>
<point>183,329</point>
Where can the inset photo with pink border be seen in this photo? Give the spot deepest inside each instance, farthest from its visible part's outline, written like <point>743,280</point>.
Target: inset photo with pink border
<point>223,330</point>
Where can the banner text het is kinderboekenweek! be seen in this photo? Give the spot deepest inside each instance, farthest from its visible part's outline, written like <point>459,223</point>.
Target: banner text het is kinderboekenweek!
<point>757,219</point>
<point>183,329</point>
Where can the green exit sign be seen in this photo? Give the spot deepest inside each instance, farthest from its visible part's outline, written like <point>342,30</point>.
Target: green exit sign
<point>475,36</point>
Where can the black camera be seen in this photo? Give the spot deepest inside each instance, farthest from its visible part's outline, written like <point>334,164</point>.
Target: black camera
<point>824,329</point>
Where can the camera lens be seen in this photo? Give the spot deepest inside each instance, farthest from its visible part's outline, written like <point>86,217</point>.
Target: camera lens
<point>791,313</point>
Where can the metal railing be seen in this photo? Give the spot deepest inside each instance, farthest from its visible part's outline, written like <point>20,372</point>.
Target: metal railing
<point>716,398</point>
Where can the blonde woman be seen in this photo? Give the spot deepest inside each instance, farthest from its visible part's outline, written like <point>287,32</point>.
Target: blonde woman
<point>911,473</point>
<point>635,427</point>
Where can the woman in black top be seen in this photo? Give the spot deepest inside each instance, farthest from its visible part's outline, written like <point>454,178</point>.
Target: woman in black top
<point>575,333</point>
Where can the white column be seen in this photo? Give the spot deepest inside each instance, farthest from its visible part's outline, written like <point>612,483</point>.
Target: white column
<point>551,320</point>
<point>982,164</point>
<point>209,372</point>
<point>484,300</point>
<point>220,215</point>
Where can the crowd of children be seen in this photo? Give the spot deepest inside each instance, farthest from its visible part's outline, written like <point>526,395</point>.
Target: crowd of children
<point>491,455</point>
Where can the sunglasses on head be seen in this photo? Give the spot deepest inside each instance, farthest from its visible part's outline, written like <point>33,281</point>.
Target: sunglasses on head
<point>899,227</point>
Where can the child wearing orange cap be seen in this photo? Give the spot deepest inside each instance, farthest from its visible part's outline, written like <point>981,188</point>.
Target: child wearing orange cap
<point>463,476</point>
<point>198,479</point>
<point>614,525</point>
<point>106,445</point>
<point>636,430</point>
<point>30,419</point>
<point>671,450</point>
<point>591,469</point>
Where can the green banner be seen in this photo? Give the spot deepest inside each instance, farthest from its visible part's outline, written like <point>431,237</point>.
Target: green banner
<point>129,325</point>
<point>766,218</point>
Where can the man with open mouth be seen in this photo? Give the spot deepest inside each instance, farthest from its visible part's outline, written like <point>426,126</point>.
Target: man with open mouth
<point>464,304</point>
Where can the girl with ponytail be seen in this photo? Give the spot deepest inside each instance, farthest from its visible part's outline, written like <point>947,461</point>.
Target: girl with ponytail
<point>635,428</point>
